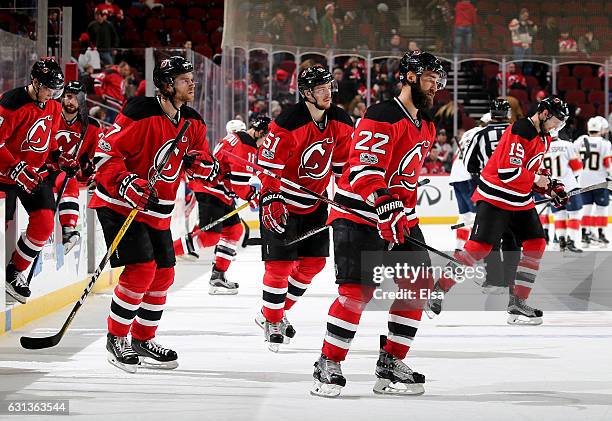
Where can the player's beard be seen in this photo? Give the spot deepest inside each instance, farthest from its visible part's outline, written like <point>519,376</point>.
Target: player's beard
<point>69,109</point>
<point>420,99</point>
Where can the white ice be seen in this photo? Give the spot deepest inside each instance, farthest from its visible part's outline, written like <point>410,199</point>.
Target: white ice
<point>477,367</point>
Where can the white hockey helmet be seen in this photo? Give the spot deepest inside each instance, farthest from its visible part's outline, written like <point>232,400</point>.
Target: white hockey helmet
<point>486,118</point>
<point>234,126</point>
<point>594,125</point>
<point>605,126</point>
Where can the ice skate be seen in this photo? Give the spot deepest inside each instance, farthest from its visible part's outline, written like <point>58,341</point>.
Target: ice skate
<point>286,327</point>
<point>395,377</point>
<point>120,353</point>
<point>153,355</point>
<point>328,378</point>
<point>603,241</point>
<point>562,244</point>
<point>433,307</point>
<point>572,248</point>
<point>16,284</point>
<point>273,335</point>
<point>219,285</point>
<point>522,314</point>
<point>70,238</point>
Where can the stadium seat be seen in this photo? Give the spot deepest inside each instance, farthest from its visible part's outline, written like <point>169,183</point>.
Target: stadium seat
<point>599,21</point>
<point>519,94</point>
<point>199,38</point>
<point>205,50</point>
<point>586,110</point>
<point>582,70</point>
<point>215,13</point>
<point>532,82</point>
<point>601,110</point>
<point>567,83</point>
<point>490,71</point>
<point>597,97</point>
<point>563,71</point>
<point>215,38</point>
<point>196,13</point>
<point>575,96</point>
<point>591,83</point>
<point>172,12</point>
<point>154,24</point>
<point>193,26</point>
<point>443,96</point>
<point>173,24</point>
<point>496,20</point>
<point>507,8</point>
<point>178,38</point>
<point>212,25</point>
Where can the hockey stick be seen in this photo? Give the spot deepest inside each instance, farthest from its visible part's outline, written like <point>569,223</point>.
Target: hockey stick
<point>224,217</point>
<point>314,231</point>
<point>84,125</point>
<point>49,341</point>
<point>332,202</point>
<point>603,185</point>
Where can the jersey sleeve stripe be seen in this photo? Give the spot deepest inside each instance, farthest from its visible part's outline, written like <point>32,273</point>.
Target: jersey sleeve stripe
<point>267,164</point>
<point>366,170</point>
<point>508,174</point>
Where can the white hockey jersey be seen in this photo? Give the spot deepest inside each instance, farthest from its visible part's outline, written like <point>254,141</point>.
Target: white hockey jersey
<point>458,171</point>
<point>597,165</point>
<point>564,163</point>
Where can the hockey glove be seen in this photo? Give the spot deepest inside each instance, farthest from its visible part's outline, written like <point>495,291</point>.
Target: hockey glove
<point>392,221</point>
<point>274,212</point>
<point>198,166</point>
<point>137,193</point>
<point>253,197</point>
<point>537,187</point>
<point>87,167</point>
<point>25,176</point>
<point>558,194</point>
<point>68,164</point>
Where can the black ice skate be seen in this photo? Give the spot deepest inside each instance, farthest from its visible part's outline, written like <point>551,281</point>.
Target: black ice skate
<point>602,238</point>
<point>287,328</point>
<point>433,307</point>
<point>587,239</point>
<point>70,238</point>
<point>562,243</point>
<point>328,378</point>
<point>273,335</point>
<point>151,354</point>
<point>395,377</point>
<point>16,284</point>
<point>570,246</point>
<point>121,354</point>
<point>219,285</point>
<point>521,314</point>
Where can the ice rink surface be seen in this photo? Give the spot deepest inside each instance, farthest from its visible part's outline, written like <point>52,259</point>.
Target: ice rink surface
<point>477,367</point>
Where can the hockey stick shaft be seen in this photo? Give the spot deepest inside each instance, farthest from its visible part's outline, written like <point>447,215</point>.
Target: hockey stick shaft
<point>332,202</point>
<point>315,231</point>
<point>224,217</point>
<point>49,341</point>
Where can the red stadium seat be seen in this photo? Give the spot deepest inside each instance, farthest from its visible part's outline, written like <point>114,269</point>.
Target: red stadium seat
<point>601,110</point>
<point>567,83</point>
<point>172,12</point>
<point>496,20</point>
<point>582,70</point>
<point>532,82</point>
<point>599,21</point>
<point>586,110</point>
<point>443,96</point>
<point>196,13</point>
<point>205,50</point>
<point>173,24</point>
<point>508,8</point>
<point>597,97</point>
<point>134,12</point>
<point>564,71</point>
<point>591,83</point>
<point>212,25</point>
<point>193,26</point>
<point>215,38</point>
<point>154,24</point>
<point>575,97</point>
<point>486,8</point>
<point>199,38</point>
<point>215,13</point>
<point>490,71</point>
<point>178,38</point>
<point>519,94</point>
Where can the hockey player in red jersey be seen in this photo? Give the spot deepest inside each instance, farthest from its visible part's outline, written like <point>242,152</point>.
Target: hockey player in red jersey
<point>125,157</point>
<point>380,180</point>
<point>218,199</point>
<point>307,143</point>
<point>68,138</point>
<point>29,119</point>
<point>504,200</point>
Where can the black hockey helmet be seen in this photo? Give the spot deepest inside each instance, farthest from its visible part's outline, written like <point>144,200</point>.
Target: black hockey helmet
<point>48,73</point>
<point>74,87</point>
<point>315,76</point>
<point>260,123</point>
<point>555,106</point>
<point>166,70</point>
<point>500,109</point>
<point>419,62</point>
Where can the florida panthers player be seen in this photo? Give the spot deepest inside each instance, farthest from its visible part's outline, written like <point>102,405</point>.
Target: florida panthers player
<point>564,164</point>
<point>68,139</point>
<point>504,201</point>
<point>125,157</point>
<point>597,162</point>
<point>218,199</point>
<point>306,144</point>
<point>380,180</point>
<point>29,119</point>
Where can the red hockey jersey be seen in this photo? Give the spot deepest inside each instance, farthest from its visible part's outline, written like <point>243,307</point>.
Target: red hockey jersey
<point>27,132</point>
<point>305,152</point>
<point>235,175</point>
<point>387,151</point>
<point>111,86</point>
<point>68,136</point>
<point>138,140</point>
<point>507,178</point>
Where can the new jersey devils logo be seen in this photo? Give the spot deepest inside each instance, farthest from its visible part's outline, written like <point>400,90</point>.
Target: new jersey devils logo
<point>67,140</point>
<point>37,138</point>
<point>407,174</point>
<point>172,169</point>
<point>316,159</point>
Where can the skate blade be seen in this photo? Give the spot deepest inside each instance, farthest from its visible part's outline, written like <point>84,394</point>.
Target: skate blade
<point>128,368</point>
<point>286,340</point>
<point>260,321</point>
<point>70,245</point>
<point>325,390</point>
<point>151,363</point>
<point>430,313</point>
<point>188,258</point>
<point>519,320</point>
<point>14,295</point>
<point>274,347</point>
<point>387,387</point>
<point>222,291</point>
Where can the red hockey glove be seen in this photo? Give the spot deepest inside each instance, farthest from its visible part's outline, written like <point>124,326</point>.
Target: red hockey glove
<point>137,193</point>
<point>253,197</point>
<point>274,213</point>
<point>199,166</point>
<point>68,164</point>
<point>557,192</point>
<point>538,187</point>
<point>392,221</point>
<point>25,176</point>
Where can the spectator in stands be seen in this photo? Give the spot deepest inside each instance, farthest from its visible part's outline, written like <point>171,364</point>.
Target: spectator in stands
<point>110,86</point>
<point>276,28</point>
<point>357,107</point>
<point>587,44</point>
<point>275,109</point>
<point>98,113</point>
<point>465,19</point>
<point>522,31</point>
<point>395,45</point>
<point>89,55</point>
<point>432,164</point>
<point>514,79</point>
<point>384,25</point>
<point>446,149</point>
<point>153,4</point>
<point>115,14</point>
<point>53,33</point>
<point>550,37</point>
<point>304,27</point>
<point>567,44</point>
<point>441,16</point>
<point>413,46</point>
<point>349,34</point>
<point>328,27</point>
<point>104,36</point>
